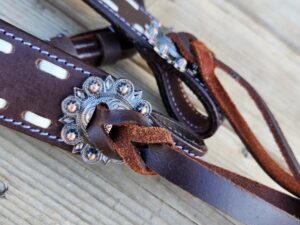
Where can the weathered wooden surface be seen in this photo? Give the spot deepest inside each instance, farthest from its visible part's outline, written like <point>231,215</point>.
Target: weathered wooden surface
<point>48,186</point>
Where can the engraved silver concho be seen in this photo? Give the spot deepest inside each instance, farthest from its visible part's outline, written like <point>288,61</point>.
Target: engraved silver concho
<point>78,109</point>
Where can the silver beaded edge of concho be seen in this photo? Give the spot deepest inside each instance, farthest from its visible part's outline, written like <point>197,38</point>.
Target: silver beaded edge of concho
<point>116,94</point>
<point>163,45</point>
<point>3,189</point>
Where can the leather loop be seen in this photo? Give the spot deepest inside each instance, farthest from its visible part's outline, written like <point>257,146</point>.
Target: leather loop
<point>98,47</point>
<point>207,65</point>
<point>169,81</point>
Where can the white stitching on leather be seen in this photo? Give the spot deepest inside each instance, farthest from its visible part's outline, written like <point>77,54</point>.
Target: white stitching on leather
<point>28,127</point>
<point>122,19</point>
<point>19,123</point>
<point>186,151</point>
<point>165,123</point>
<point>177,108</point>
<point>63,61</point>
<point>187,100</point>
<point>181,135</point>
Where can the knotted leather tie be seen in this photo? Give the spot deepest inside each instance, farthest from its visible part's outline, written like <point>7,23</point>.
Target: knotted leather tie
<point>129,128</point>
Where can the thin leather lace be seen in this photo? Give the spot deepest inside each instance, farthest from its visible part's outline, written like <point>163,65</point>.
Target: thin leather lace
<point>207,64</point>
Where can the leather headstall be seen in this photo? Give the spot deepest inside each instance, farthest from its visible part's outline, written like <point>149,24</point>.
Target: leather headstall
<point>51,91</point>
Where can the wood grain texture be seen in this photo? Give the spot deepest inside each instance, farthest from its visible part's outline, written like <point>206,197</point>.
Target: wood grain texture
<point>50,186</point>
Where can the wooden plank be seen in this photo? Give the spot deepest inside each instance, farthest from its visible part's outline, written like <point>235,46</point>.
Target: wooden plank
<point>38,17</point>
<point>49,186</point>
<point>283,24</point>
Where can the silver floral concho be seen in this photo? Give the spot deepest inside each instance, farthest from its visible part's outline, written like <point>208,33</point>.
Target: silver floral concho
<point>78,109</point>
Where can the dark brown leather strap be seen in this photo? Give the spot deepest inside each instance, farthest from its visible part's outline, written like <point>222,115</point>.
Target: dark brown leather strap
<point>26,88</point>
<point>177,102</point>
<point>237,196</point>
<point>168,78</point>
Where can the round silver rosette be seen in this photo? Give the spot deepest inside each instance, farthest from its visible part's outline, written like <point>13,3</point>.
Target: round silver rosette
<point>78,109</point>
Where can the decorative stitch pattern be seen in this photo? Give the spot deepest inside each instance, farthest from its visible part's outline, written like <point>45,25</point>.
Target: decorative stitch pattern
<point>28,127</point>
<point>187,100</point>
<point>43,52</point>
<point>193,155</point>
<point>177,108</point>
<point>63,61</point>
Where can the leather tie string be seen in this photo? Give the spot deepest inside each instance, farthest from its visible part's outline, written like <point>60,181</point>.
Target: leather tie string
<point>207,64</point>
<point>130,130</point>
